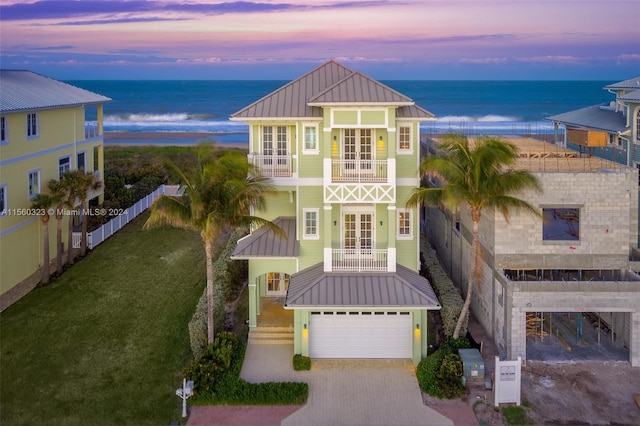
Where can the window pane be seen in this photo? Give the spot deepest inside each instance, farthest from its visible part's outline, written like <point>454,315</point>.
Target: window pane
<point>561,224</point>
<point>310,223</point>
<point>310,138</point>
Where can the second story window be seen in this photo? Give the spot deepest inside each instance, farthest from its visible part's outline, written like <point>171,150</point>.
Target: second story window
<point>32,125</point>
<point>404,139</point>
<point>33,183</point>
<point>561,224</point>
<point>64,165</point>
<point>310,224</point>
<point>404,224</point>
<point>4,134</point>
<point>310,139</point>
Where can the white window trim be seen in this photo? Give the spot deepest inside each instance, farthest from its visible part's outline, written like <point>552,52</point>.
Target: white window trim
<point>37,118</point>
<point>29,173</point>
<point>60,172</point>
<point>3,188</point>
<point>398,149</point>
<point>400,236</point>
<point>315,150</point>
<point>5,122</point>
<point>306,236</point>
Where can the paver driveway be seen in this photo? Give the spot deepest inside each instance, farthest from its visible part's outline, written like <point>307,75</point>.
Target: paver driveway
<point>346,392</point>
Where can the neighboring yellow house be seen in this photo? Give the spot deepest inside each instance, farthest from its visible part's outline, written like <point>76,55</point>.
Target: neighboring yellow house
<point>43,132</point>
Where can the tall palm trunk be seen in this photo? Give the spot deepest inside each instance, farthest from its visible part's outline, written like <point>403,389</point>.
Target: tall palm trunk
<point>46,273</point>
<point>70,254</point>
<point>208,248</point>
<point>59,248</point>
<point>83,237</point>
<point>474,275</point>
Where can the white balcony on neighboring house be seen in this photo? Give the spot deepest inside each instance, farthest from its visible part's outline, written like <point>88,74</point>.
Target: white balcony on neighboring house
<point>91,130</point>
<point>360,260</point>
<point>359,181</point>
<point>272,165</point>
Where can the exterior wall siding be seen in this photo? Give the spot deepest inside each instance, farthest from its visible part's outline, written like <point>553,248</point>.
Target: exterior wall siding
<point>61,134</point>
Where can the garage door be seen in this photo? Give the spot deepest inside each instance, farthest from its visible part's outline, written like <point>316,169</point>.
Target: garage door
<point>360,335</point>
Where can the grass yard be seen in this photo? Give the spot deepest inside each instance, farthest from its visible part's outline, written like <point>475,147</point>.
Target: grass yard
<point>104,344</point>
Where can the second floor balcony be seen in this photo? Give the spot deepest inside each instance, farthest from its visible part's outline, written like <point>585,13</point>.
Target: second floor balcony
<point>272,165</point>
<point>369,171</point>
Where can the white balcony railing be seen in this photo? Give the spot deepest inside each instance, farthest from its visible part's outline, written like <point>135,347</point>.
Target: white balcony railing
<point>359,260</point>
<point>359,171</point>
<point>272,165</point>
<point>91,130</point>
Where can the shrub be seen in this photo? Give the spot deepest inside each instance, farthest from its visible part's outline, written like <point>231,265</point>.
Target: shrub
<point>198,327</point>
<point>225,275</point>
<point>450,378</point>
<point>429,369</point>
<point>449,297</point>
<point>223,385</point>
<point>301,362</point>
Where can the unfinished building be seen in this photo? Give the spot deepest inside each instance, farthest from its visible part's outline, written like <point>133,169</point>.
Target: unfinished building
<point>558,286</point>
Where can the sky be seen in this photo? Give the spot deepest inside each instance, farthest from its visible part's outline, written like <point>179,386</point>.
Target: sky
<point>282,39</point>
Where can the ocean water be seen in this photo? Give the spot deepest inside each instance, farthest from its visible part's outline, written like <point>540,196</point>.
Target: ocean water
<point>480,107</point>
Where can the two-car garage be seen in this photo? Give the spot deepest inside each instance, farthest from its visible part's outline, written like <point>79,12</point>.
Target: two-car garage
<point>363,334</point>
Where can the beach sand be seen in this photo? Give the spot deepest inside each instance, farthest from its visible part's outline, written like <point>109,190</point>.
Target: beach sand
<point>235,140</point>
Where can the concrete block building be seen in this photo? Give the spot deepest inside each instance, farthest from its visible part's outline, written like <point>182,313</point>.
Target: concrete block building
<point>560,275</point>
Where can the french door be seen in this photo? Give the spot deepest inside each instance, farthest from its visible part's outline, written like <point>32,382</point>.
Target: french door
<point>358,238</point>
<point>358,151</point>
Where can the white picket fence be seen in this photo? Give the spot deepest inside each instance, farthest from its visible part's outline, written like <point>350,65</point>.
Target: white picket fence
<point>114,225</point>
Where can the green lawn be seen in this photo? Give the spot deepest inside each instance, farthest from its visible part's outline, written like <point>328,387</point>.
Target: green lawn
<point>104,344</point>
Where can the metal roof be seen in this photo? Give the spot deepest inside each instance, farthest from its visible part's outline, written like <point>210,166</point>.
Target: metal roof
<point>291,99</point>
<point>330,83</point>
<point>357,88</point>
<point>22,90</point>
<point>598,117</point>
<point>312,287</point>
<point>633,96</point>
<point>632,83</point>
<point>265,243</point>
<point>413,111</point>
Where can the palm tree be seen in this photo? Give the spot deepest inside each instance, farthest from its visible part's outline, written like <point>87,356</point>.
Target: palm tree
<point>87,184</point>
<point>219,194</point>
<point>71,182</point>
<point>479,177</point>
<point>42,204</point>
<point>57,187</point>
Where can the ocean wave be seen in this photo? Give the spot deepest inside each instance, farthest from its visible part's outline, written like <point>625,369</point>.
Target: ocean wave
<point>469,119</point>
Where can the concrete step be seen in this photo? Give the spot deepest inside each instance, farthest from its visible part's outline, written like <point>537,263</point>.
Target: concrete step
<point>271,336</point>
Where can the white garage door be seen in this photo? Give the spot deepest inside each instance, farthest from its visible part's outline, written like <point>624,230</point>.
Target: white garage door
<point>360,335</point>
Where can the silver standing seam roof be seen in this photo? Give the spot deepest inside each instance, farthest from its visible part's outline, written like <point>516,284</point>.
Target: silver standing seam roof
<point>631,84</point>
<point>312,287</point>
<point>265,243</point>
<point>22,90</point>
<point>329,84</point>
<point>633,96</point>
<point>598,117</point>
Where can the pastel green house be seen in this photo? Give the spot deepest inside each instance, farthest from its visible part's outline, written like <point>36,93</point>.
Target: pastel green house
<point>44,131</point>
<point>342,151</point>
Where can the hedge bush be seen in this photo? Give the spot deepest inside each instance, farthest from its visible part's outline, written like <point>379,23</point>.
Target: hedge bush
<point>227,279</point>
<point>450,300</point>
<point>450,378</point>
<point>224,385</point>
<point>428,371</point>
<point>301,362</point>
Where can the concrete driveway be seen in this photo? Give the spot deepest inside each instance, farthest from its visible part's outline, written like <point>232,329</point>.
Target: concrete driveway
<point>346,392</point>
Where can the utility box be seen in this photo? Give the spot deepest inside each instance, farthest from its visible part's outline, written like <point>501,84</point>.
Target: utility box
<point>473,364</point>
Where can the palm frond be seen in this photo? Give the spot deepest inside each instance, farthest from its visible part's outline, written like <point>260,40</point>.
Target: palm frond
<point>170,211</point>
